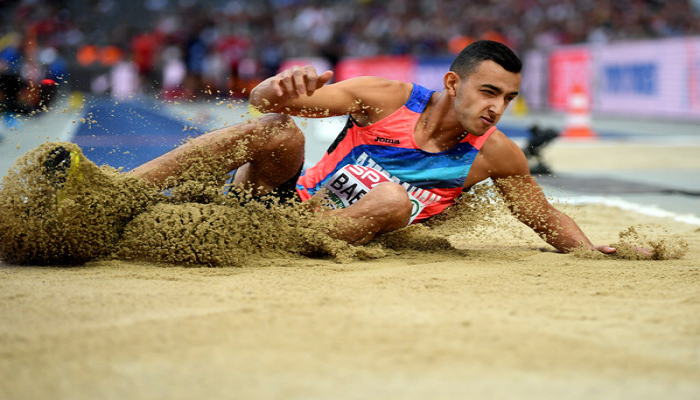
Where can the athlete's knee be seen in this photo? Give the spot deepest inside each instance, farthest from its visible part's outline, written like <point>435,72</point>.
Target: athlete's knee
<point>278,124</point>
<point>274,119</point>
<point>278,153</point>
<point>395,203</point>
<point>280,131</point>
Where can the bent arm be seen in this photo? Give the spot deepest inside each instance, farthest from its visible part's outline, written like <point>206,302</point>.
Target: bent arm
<point>299,91</point>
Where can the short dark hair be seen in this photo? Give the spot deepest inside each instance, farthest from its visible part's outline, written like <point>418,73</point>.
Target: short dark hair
<point>471,56</point>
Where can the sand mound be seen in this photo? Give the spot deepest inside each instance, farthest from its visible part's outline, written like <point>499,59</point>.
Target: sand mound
<point>57,207</point>
<point>656,241</point>
<point>234,233</point>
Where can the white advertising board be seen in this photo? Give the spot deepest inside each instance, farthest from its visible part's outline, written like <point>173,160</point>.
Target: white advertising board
<point>659,78</point>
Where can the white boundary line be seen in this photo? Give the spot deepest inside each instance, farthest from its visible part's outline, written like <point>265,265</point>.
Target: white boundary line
<point>617,202</point>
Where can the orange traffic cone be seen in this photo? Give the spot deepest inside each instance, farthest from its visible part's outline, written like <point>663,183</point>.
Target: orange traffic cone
<point>578,119</point>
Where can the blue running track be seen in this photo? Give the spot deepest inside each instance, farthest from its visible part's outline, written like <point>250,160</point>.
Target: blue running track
<point>127,134</point>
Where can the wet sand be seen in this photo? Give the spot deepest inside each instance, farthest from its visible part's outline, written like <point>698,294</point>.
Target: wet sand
<point>499,318</point>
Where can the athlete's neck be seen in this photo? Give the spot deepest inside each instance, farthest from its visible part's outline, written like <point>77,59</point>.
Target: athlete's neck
<point>438,129</point>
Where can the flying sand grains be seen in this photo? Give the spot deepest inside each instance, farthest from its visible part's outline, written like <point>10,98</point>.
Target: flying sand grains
<point>656,241</point>
<point>479,213</point>
<point>84,212</point>
<point>642,242</point>
<point>415,237</point>
<point>65,216</point>
<point>238,232</point>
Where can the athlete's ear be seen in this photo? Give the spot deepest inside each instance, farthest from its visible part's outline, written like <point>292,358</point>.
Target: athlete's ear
<point>451,80</point>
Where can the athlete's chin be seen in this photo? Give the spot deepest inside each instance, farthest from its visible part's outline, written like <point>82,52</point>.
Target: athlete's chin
<point>481,127</point>
<point>479,131</point>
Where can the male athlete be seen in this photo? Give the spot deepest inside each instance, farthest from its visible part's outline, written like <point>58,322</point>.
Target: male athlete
<point>405,155</point>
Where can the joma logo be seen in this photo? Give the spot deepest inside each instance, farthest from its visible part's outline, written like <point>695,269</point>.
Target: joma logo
<point>384,140</point>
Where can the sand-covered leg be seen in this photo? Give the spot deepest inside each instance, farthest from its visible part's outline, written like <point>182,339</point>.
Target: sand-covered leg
<point>58,207</point>
<point>269,149</point>
<point>231,234</point>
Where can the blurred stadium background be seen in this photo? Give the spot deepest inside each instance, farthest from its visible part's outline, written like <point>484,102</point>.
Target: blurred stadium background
<point>187,48</point>
<point>135,78</point>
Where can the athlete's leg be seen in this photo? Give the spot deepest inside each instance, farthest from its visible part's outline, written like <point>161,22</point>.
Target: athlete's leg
<point>383,209</point>
<point>278,158</point>
<point>266,151</point>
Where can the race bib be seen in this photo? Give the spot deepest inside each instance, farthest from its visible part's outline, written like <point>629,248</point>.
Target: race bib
<point>351,182</point>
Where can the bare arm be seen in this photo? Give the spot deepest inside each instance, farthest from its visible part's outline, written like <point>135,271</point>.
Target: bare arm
<point>300,91</point>
<point>527,201</point>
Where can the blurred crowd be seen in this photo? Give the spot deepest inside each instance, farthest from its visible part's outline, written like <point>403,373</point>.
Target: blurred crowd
<point>184,48</point>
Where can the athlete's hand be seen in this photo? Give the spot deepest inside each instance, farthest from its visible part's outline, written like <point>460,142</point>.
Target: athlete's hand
<point>606,249</point>
<point>298,81</point>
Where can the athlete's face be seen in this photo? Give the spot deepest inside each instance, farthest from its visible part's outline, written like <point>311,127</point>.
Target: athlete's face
<point>483,96</point>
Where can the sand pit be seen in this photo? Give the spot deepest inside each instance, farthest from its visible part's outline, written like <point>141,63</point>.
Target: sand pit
<point>501,317</point>
<point>475,306</point>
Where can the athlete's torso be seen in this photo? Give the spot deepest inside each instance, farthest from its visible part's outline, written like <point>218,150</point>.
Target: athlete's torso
<point>388,146</point>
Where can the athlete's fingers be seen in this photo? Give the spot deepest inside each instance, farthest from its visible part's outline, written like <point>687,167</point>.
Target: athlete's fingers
<point>301,77</point>
<point>277,86</point>
<point>318,82</point>
<point>324,78</point>
<point>298,81</point>
<point>640,250</point>
<point>287,82</point>
<point>280,84</point>
<point>606,249</point>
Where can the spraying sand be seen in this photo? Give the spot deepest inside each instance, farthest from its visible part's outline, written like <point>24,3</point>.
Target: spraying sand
<point>57,207</point>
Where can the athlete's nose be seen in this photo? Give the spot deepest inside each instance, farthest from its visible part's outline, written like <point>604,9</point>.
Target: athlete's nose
<point>498,107</point>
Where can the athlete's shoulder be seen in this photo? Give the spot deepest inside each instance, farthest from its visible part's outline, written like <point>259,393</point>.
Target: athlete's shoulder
<point>377,97</point>
<point>503,156</point>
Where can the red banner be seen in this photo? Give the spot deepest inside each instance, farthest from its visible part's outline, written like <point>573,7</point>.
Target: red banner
<point>568,69</point>
<point>400,68</point>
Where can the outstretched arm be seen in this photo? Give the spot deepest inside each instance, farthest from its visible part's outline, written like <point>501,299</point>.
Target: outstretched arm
<point>528,203</point>
<point>510,172</point>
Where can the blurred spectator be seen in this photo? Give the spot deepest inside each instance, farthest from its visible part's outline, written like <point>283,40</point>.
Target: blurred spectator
<point>226,46</point>
<point>144,50</point>
<point>27,84</point>
<point>54,65</point>
<point>10,71</point>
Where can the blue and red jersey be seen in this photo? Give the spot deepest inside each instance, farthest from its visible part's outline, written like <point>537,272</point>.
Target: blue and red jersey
<point>434,180</point>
